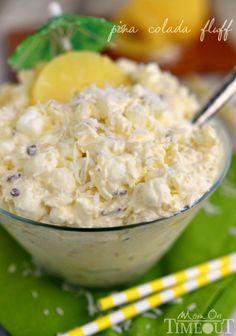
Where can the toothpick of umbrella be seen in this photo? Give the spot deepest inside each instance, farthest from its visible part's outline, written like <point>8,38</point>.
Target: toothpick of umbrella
<point>55,10</point>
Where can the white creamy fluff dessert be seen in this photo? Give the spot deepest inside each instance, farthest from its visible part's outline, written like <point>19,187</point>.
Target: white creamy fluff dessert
<point>110,156</point>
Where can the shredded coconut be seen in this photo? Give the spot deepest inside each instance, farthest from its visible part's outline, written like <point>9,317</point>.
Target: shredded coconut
<point>232,231</point>
<point>148,326</point>
<point>35,294</point>
<point>177,300</point>
<point>67,287</point>
<point>191,307</point>
<point>46,312</point>
<point>117,329</point>
<point>153,314</point>
<point>150,315</point>
<point>228,189</point>
<point>92,307</point>
<point>126,325</point>
<point>26,272</point>
<point>157,311</point>
<point>211,209</point>
<point>12,268</point>
<point>59,311</point>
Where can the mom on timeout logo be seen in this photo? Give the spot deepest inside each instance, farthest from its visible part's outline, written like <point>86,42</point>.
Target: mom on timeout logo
<point>212,324</point>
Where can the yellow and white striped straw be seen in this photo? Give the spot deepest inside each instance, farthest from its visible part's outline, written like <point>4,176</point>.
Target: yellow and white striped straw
<point>151,302</point>
<point>143,290</point>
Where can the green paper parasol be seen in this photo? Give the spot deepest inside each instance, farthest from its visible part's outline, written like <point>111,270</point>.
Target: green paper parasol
<point>59,34</point>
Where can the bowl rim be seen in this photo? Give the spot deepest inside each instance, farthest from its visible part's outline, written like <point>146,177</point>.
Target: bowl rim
<point>225,167</point>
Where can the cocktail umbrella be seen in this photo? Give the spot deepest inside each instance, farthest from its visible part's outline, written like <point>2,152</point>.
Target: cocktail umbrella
<point>59,34</point>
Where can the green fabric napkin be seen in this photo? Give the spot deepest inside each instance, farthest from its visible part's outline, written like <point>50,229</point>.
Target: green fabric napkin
<point>36,305</point>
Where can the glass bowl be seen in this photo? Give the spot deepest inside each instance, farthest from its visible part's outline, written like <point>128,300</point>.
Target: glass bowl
<point>103,257</point>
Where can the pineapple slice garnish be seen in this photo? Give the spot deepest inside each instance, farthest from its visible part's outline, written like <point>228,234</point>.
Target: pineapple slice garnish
<point>70,73</point>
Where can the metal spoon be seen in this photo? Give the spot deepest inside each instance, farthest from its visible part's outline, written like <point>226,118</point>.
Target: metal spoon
<point>222,95</point>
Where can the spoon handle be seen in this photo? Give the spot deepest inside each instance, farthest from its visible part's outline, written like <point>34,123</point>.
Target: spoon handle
<point>224,93</point>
